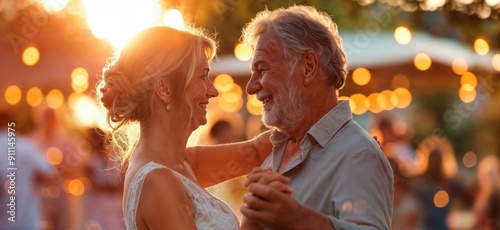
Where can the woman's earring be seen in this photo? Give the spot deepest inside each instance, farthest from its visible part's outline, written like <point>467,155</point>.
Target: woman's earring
<point>168,107</point>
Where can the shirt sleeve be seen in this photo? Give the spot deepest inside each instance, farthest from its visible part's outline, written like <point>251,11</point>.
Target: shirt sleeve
<point>364,196</point>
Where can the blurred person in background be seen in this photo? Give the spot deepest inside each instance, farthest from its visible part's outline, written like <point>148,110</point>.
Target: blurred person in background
<point>407,210</point>
<point>435,185</point>
<point>156,93</point>
<point>27,181</point>
<point>103,198</point>
<point>60,148</point>
<point>487,203</point>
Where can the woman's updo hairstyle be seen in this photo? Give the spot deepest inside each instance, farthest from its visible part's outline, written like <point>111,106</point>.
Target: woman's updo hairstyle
<point>152,54</point>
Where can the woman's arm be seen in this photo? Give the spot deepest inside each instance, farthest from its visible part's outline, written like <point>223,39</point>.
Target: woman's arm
<point>218,163</point>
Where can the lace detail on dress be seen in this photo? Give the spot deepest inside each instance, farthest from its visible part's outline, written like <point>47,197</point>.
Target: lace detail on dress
<point>208,211</point>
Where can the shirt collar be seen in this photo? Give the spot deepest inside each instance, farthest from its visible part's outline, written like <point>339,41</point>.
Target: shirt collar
<point>324,130</point>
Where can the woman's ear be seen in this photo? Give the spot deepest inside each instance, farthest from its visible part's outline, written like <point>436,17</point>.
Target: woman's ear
<point>310,60</point>
<point>163,91</point>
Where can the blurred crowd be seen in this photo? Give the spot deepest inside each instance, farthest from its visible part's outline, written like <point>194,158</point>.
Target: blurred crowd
<point>68,179</point>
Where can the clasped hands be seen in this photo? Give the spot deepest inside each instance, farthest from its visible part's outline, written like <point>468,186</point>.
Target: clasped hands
<point>269,203</point>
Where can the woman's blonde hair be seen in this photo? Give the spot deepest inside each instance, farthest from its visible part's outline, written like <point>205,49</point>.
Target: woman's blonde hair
<point>152,54</point>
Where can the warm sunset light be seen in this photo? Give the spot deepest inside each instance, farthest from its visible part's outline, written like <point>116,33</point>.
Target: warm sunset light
<point>13,94</point>
<point>54,6</point>
<point>459,65</point>
<point>361,76</point>
<point>402,35</point>
<point>86,110</point>
<point>384,100</point>
<point>243,52</point>
<point>173,18</point>
<point>34,96</point>
<point>55,99</point>
<point>31,56</point>
<point>117,20</point>
<point>422,61</point>
<point>481,46</point>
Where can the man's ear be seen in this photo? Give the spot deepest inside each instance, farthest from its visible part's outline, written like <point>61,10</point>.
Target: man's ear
<point>310,61</point>
<point>163,91</point>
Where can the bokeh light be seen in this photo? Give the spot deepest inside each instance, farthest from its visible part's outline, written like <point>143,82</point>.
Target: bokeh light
<point>374,105</point>
<point>385,101</point>
<point>13,94</point>
<point>400,81</point>
<point>76,187</point>
<point>54,155</point>
<point>79,80</point>
<point>459,65</point>
<point>55,99</point>
<point>34,97</point>
<point>403,96</point>
<point>31,56</point>
<point>361,76</point>
<point>361,103</point>
<point>441,199</point>
<point>467,94</point>
<point>402,35</point>
<point>254,106</point>
<point>495,62</point>
<point>468,81</point>
<point>470,159</point>
<point>223,83</point>
<point>422,61</point>
<point>231,101</point>
<point>243,52</point>
<point>173,18</point>
<point>481,46</point>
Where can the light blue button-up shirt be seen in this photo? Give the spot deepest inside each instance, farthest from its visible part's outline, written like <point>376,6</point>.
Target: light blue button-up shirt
<point>340,172</point>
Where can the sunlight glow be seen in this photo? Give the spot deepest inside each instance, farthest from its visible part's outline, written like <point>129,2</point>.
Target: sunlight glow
<point>54,155</point>
<point>223,83</point>
<point>54,5</point>
<point>86,110</point>
<point>117,20</point>
<point>361,103</point>
<point>173,18</point>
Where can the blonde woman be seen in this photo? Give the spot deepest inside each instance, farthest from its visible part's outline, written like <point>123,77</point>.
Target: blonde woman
<point>160,82</point>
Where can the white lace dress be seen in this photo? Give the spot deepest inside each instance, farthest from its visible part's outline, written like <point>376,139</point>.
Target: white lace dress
<point>208,211</point>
